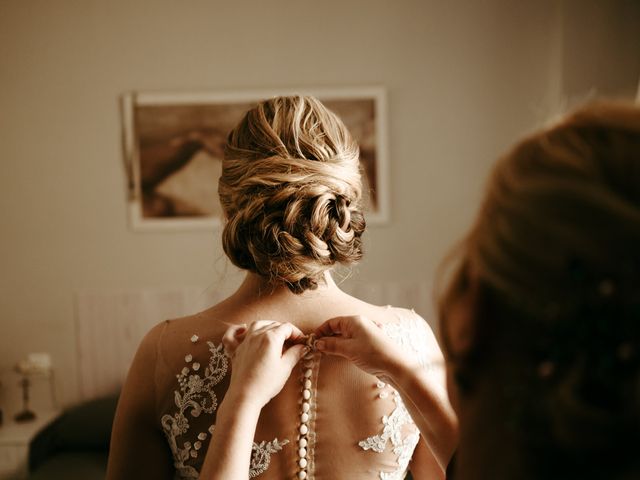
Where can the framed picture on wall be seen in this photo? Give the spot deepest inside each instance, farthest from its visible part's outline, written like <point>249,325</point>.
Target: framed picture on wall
<point>173,147</point>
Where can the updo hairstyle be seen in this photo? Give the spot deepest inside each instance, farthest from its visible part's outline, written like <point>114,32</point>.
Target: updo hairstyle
<point>550,273</point>
<point>291,192</point>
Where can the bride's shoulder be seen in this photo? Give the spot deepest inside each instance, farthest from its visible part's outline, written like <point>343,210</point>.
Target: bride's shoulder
<point>405,317</point>
<point>205,325</point>
<point>195,337</point>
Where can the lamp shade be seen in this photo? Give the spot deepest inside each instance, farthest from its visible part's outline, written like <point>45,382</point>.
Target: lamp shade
<point>35,364</point>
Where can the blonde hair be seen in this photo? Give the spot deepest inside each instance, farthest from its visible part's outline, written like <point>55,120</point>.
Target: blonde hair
<point>291,191</point>
<point>551,274</point>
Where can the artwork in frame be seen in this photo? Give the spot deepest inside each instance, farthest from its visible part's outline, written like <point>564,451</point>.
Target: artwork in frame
<point>174,144</point>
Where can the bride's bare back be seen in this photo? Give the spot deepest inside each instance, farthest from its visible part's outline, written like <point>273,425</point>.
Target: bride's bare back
<point>352,425</point>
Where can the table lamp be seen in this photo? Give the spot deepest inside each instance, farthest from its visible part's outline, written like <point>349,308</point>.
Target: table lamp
<point>36,364</point>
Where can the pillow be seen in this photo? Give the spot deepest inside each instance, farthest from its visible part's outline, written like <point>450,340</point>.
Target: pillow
<point>85,427</point>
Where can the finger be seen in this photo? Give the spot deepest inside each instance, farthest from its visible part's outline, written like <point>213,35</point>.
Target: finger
<point>267,328</point>
<point>290,332</point>
<point>292,355</point>
<point>333,326</point>
<point>258,325</point>
<point>283,332</point>
<point>335,346</point>
<point>233,337</point>
<point>235,331</point>
<point>343,326</point>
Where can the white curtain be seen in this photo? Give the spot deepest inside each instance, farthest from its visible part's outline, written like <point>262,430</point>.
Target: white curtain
<point>111,324</point>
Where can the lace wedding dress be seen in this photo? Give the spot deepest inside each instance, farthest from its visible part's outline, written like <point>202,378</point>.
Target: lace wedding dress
<point>330,421</point>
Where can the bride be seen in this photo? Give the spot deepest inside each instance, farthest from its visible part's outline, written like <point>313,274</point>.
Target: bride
<point>270,405</point>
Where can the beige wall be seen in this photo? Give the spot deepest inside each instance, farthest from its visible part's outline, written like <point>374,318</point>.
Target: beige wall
<point>601,47</point>
<point>463,79</point>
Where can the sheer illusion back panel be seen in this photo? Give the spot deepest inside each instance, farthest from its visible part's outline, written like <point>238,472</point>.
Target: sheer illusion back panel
<point>349,424</point>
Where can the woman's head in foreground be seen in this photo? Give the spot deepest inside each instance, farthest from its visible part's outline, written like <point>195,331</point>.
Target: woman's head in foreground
<point>545,303</point>
<point>291,191</point>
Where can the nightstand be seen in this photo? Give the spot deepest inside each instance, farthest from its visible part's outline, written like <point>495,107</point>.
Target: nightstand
<point>14,444</point>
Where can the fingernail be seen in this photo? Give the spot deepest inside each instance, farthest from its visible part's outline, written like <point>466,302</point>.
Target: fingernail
<point>319,345</point>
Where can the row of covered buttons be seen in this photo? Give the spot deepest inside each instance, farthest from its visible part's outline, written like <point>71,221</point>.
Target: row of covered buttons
<point>303,441</point>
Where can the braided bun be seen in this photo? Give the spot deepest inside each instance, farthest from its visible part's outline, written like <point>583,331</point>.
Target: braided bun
<point>291,191</point>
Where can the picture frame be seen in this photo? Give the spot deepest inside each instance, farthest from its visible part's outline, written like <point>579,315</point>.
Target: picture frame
<point>173,145</point>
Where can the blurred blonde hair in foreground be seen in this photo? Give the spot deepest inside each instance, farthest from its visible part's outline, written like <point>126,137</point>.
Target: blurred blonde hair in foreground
<point>291,192</point>
<point>550,278</point>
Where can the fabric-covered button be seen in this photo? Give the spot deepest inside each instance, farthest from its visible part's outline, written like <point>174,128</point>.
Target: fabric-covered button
<point>302,474</point>
<point>302,462</point>
<point>302,452</point>
<point>306,407</point>
<point>306,393</point>
<point>307,373</point>
<point>304,429</point>
<point>302,442</point>
<point>304,418</point>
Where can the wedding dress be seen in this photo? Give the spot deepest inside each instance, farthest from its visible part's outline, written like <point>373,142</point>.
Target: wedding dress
<point>330,421</point>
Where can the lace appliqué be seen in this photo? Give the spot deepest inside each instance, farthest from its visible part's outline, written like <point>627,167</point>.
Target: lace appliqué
<point>261,455</point>
<point>392,432</point>
<point>408,335</point>
<point>195,397</point>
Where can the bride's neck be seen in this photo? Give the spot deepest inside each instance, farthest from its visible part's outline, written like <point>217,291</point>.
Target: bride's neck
<point>255,288</point>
